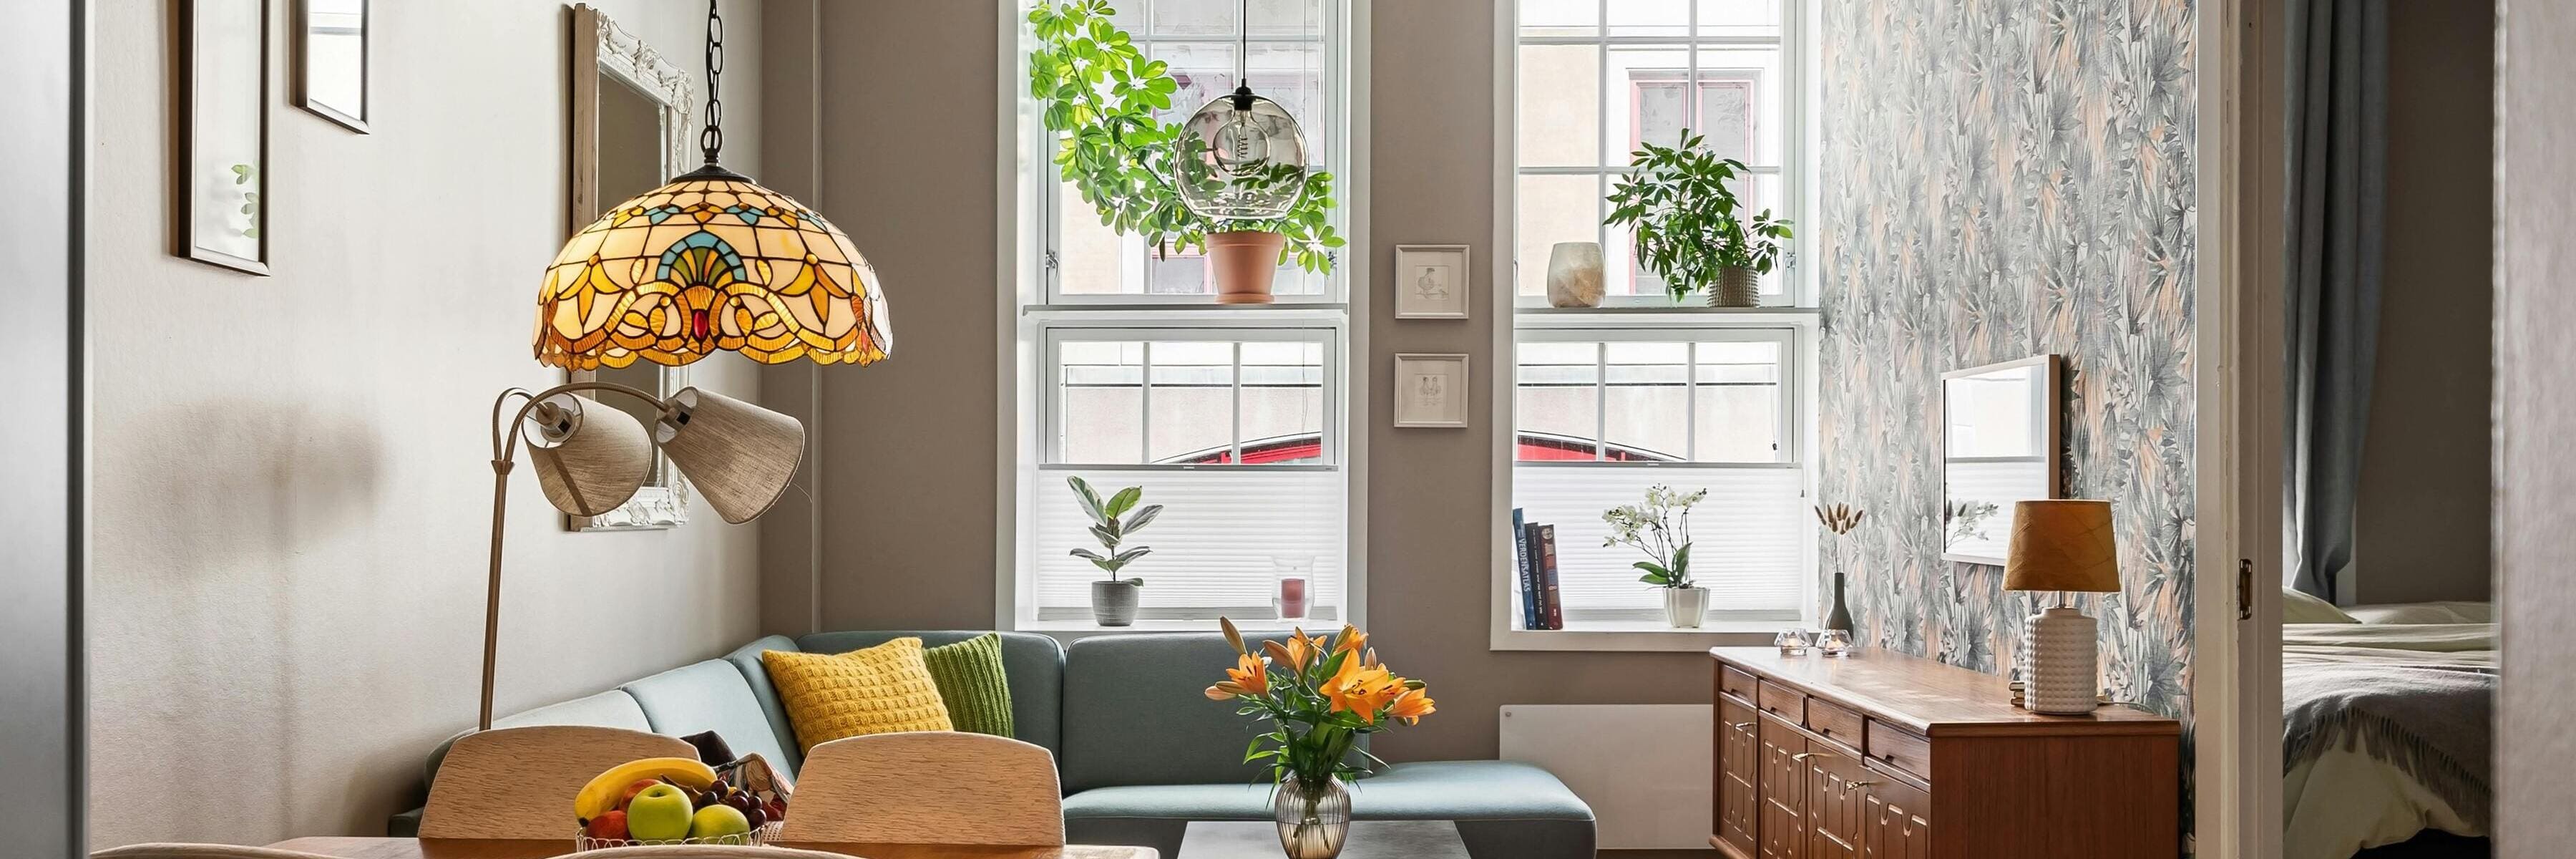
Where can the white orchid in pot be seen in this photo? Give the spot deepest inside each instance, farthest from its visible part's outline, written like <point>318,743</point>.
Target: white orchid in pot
<point>1661,529</point>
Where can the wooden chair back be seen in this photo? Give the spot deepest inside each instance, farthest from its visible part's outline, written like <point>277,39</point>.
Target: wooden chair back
<point>199,851</point>
<point>520,782</point>
<point>703,851</point>
<point>929,787</point>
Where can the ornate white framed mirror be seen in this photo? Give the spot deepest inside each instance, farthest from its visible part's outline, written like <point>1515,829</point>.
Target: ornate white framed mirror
<point>2000,431</point>
<point>629,135</point>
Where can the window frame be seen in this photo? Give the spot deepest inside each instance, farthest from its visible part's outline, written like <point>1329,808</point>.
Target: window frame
<point>1796,167</point>
<point>1029,308</point>
<point>1796,309</point>
<point>1337,97</point>
<point>1333,436</point>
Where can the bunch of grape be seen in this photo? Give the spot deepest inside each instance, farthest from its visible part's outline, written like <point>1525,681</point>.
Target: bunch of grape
<point>757,809</point>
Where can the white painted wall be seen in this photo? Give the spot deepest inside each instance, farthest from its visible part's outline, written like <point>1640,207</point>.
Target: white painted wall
<point>291,491</point>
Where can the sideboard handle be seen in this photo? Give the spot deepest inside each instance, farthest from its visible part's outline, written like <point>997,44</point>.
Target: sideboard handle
<point>1743,726</point>
<point>1801,756</point>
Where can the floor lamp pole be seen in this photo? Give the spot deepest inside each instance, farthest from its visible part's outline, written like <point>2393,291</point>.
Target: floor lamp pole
<point>505,449</point>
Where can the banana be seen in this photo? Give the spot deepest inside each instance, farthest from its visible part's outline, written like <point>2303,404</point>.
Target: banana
<point>600,796</point>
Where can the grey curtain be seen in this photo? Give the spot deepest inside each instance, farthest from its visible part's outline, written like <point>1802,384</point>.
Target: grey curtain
<point>2337,114</point>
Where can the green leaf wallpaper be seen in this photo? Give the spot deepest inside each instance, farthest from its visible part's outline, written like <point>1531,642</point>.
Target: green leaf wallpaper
<point>2004,178</point>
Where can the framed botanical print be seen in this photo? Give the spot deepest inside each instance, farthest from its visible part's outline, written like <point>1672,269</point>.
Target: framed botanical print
<point>223,134</point>
<point>334,40</point>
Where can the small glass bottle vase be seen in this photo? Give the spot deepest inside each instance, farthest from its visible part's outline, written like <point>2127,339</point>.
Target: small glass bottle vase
<point>1313,818</point>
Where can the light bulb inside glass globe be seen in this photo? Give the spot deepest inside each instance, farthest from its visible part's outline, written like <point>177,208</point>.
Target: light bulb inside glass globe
<point>1241,158</point>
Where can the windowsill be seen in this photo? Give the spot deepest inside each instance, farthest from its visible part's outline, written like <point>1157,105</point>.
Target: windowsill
<point>1069,630</point>
<point>1683,309</point>
<point>1641,636</point>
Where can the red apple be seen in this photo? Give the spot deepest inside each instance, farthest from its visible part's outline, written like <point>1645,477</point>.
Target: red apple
<point>635,788</point>
<point>608,827</point>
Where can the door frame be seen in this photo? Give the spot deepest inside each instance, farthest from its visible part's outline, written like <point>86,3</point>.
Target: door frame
<point>2236,638</point>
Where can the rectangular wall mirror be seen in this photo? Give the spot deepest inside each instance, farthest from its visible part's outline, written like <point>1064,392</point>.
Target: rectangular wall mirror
<point>629,135</point>
<point>2000,426</point>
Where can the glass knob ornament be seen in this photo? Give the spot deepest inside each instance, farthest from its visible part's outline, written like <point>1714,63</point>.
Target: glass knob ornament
<point>1241,158</point>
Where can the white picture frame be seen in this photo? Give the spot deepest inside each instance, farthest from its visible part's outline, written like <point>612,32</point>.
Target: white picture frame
<point>1430,391</point>
<point>1433,282</point>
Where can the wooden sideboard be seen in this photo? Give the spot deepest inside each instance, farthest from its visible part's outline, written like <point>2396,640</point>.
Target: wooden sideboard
<point>1889,756</point>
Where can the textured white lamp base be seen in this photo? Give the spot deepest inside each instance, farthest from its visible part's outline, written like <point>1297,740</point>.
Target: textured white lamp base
<point>2063,678</point>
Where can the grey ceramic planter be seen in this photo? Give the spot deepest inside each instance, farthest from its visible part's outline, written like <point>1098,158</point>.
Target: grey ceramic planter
<point>1114,603</point>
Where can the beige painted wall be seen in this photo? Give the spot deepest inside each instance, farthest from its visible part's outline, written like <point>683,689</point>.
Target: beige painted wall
<point>2423,524</point>
<point>908,483</point>
<point>291,501</point>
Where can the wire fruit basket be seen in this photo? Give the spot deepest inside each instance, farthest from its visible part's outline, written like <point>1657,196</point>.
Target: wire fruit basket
<point>760,836</point>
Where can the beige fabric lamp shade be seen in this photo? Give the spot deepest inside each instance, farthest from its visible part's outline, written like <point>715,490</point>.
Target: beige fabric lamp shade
<point>2062,546</point>
<point>738,455</point>
<point>588,457</point>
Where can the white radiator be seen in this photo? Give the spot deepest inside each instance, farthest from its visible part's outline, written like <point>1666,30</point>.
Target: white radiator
<point>1644,768</point>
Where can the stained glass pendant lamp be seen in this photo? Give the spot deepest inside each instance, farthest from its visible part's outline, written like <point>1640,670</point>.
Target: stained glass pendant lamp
<point>1242,157</point>
<point>710,262</point>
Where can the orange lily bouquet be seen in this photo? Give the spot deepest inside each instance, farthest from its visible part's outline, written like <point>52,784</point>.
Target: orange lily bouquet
<point>1320,695</point>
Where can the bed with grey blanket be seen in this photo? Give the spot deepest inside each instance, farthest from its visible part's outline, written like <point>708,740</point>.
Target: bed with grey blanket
<point>2386,732</point>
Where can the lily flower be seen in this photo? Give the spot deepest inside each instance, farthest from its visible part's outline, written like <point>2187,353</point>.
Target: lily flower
<point>1411,705</point>
<point>1251,674</point>
<point>1361,690</point>
<point>1351,639</point>
<point>1223,690</point>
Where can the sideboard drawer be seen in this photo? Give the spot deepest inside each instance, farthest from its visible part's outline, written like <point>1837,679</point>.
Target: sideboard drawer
<point>1783,702</point>
<point>1900,748</point>
<point>1834,722</point>
<point>1736,683</point>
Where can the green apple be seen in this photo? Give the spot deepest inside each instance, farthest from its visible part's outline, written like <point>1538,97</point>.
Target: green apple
<point>658,813</point>
<point>720,821</point>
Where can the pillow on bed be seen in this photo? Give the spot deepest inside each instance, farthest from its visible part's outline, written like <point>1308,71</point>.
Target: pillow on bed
<point>2297,606</point>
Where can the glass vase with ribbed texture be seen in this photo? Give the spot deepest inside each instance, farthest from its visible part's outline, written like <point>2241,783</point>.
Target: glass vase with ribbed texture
<point>1313,817</point>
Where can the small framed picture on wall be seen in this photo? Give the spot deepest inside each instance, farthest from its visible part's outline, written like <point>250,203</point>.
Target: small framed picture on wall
<point>1431,282</point>
<point>332,42</point>
<point>1431,391</point>
<point>223,138</point>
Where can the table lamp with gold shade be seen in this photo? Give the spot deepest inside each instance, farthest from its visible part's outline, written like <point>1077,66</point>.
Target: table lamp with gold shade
<point>2062,546</point>
<point>711,262</point>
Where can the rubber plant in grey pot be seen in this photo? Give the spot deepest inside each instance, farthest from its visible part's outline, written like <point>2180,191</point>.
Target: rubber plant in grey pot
<point>1661,529</point>
<point>1691,230</point>
<point>1113,600</point>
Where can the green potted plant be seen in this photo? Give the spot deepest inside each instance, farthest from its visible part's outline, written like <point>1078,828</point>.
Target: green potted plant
<point>1661,529</point>
<point>1100,94</point>
<point>1113,600</point>
<point>1691,230</point>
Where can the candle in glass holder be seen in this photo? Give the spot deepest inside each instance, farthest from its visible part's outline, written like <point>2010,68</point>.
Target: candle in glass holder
<point>1294,595</point>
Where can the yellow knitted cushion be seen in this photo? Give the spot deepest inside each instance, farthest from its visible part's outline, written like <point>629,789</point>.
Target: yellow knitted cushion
<point>871,690</point>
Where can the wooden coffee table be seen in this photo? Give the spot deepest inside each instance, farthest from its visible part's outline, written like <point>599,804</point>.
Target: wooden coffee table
<point>1369,839</point>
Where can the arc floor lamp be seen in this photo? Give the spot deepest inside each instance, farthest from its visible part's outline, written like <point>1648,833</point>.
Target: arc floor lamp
<point>711,262</point>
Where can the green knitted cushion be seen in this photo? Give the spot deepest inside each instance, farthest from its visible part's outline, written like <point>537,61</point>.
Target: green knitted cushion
<point>969,676</point>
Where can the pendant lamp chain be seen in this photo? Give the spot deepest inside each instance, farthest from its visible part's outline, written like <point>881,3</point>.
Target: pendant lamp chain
<point>711,139</point>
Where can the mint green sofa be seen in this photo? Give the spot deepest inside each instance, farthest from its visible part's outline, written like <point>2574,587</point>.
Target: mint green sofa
<point>1139,750</point>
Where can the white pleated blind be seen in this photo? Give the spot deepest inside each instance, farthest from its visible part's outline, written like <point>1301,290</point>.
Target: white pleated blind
<point>1745,535</point>
<point>1220,544</point>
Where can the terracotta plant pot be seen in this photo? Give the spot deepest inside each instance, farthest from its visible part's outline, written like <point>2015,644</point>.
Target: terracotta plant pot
<point>1244,261</point>
<point>1736,287</point>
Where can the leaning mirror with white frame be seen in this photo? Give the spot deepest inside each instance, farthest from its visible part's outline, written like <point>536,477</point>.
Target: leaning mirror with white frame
<point>629,136</point>
<point>2000,426</point>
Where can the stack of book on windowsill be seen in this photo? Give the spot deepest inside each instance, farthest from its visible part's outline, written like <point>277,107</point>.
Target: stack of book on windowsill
<point>1534,554</point>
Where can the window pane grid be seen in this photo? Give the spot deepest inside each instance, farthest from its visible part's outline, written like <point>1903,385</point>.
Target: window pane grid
<point>1642,395</point>
<point>1294,59</point>
<point>1180,397</point>
<point>1684,41</point>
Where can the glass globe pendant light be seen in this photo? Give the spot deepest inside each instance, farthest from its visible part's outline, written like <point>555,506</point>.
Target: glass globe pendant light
<point>1242,157</point>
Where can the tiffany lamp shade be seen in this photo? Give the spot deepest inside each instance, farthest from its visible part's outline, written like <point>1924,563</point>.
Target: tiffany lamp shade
<point>711,261</point>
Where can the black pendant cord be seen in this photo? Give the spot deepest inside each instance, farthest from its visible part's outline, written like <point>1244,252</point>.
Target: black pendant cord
<point>711,139</point>
<point>1243,56</point>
